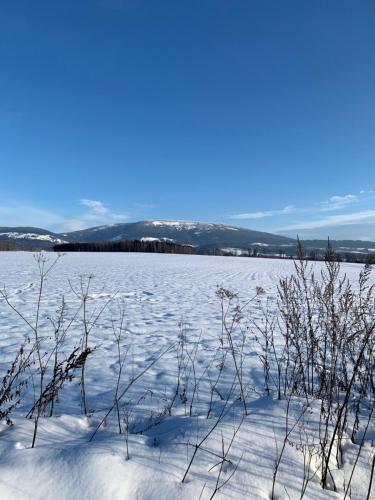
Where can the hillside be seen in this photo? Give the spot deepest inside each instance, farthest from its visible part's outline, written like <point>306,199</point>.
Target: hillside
<point>29,238</point>
<point>204,236</point>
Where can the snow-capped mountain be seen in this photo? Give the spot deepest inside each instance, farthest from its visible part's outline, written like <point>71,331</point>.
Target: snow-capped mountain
<point>203,235</point>
<point>29,237</point>
<point>200,234</point>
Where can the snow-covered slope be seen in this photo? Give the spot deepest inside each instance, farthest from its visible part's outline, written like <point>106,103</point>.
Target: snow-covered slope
<point>200,234</point>
<point>203,235</point>
<point>29,237</point>
<point>161,295</point>
<point>14,235</point>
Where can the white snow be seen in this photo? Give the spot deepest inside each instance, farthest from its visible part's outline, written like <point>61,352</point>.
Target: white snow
<point>235,251</point>
<point>159,292</point>
<point>32,236</point>
<point>150,238</point>
<point>190,226</point>
<point>106,226</point>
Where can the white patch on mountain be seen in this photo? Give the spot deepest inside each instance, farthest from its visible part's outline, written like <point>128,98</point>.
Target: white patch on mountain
<point>32,236</point>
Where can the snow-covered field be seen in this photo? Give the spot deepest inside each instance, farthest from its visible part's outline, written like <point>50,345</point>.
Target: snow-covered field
<point>163,295</point>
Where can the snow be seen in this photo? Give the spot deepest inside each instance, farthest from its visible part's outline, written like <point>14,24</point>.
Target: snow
<point>160,292</point>
<point>150,238</point>
<point>32,236</point>
<point>235,251</point>
<point>190,226</point>
<point>106,226</point>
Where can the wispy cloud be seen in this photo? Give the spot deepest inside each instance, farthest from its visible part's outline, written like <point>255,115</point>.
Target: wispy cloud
<point>95,206</point>
<point>367,216</point>
<point>338,202</point>
<point>95,214</point>
<point>265,213</point>
<point>28,215</point>
<point>334,203</point>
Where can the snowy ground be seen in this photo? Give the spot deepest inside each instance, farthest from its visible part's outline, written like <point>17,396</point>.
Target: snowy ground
<point>160,293</point>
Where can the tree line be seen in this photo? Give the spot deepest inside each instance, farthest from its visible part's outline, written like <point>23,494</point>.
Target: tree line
<point>5,246</point>
<point>153,246</point>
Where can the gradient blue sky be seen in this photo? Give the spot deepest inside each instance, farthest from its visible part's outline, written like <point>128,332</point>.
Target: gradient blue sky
<point>254,113</point>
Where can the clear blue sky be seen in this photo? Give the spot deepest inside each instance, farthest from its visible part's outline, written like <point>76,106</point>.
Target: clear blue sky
<point>254,113</point>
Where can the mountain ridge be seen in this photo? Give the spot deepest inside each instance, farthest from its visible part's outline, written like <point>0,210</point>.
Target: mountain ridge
<point>203,235</point>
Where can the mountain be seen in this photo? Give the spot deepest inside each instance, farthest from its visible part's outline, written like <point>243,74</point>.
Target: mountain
<point>29,238</point>
<point>200,234</point>
<point>203,235</point>
<point>342,246</point>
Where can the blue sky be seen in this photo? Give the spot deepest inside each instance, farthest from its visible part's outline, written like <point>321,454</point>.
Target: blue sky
<point>254,113</point>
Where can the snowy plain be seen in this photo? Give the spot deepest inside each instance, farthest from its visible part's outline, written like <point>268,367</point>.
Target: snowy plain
<point>162,296</point>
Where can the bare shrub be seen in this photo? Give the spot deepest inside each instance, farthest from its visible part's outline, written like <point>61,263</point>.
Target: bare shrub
<point>328,332</point>
<point>14,382</point>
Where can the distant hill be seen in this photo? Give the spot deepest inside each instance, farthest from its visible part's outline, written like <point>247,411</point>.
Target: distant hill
<point>199,234</point>
<point>204,236</point>
<point>29,238</point>
<point>342,245</point>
